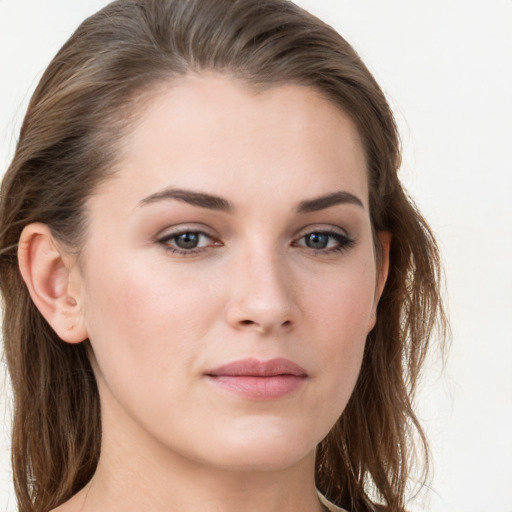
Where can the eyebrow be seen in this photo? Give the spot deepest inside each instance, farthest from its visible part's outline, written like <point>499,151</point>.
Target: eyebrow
<point>193,198</point>
<point>218,203</point>
<point>322,202</point>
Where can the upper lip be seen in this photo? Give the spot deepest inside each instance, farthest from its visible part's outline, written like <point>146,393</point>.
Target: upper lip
<point>252,367</point>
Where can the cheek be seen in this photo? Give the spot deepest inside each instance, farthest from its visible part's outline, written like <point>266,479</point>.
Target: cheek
<point>146,328</point>
<point>140,319</point>
<point>344,303</point>
<point>341,319</point>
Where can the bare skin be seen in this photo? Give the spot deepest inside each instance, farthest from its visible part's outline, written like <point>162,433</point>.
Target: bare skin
<point>236,229</point>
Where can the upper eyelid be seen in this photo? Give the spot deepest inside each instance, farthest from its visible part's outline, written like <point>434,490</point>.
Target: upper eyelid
<point>321,228</point>
<point>172,231</point>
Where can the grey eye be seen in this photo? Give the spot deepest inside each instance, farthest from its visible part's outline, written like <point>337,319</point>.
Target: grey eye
<point>317,240</point>
<point>323,242</point>
<point>187,240</point>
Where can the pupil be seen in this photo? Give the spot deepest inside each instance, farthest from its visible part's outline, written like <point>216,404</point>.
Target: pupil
<point>317,241</point>
<point>187,240</point>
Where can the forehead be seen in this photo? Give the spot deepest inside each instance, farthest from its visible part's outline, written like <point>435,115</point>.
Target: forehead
<point>216,134</point>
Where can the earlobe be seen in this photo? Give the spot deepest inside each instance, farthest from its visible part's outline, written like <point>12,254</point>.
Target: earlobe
<point>385,238</point>
<point>46,270</point>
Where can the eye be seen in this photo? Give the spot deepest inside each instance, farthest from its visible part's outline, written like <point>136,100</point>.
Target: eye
<point>318,240</point>
<point>187,242</point>
<point>325,241</point>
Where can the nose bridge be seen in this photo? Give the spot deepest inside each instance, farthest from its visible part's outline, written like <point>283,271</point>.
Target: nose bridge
<point>262,295</point>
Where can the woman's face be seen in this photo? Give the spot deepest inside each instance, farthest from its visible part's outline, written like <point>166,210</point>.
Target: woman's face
<point>229,278</point>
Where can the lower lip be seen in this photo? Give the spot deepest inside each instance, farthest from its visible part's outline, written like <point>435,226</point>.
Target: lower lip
<point>259,388</point>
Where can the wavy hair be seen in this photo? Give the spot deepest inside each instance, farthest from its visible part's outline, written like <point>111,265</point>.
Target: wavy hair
<point>87,99</point>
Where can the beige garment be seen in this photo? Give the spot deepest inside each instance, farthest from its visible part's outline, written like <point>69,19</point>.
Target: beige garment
<point>331,507</point>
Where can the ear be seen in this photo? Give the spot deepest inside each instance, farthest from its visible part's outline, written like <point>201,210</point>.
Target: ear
<point>385,238</point>
<point>47,270</point>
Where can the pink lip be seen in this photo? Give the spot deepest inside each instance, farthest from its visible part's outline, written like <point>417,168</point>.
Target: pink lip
<point>260,380</point>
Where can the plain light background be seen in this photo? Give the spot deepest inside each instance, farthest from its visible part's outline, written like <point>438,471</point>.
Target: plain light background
<point>446,68</point>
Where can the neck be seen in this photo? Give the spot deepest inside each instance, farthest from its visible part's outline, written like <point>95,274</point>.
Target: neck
<point>133,476</point>
<point>188,487</point>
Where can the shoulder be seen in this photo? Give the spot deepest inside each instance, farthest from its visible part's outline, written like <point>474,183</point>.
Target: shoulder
<point>331,507</point>
<point>328,505</point>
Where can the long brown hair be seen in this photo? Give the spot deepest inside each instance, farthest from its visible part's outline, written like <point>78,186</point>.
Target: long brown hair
<point>83,106</point>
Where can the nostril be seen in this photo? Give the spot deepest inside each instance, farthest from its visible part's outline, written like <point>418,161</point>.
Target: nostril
<point>287,323</point>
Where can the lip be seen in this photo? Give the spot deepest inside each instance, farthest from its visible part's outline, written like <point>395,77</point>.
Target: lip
<point>259,380</point>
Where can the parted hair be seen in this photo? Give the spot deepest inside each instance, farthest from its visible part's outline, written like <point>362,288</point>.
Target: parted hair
<point>85,103</point>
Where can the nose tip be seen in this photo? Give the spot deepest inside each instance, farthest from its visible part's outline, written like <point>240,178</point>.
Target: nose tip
<point>263,301</point>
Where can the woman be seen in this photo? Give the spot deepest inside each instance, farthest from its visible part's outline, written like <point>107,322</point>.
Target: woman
<point>217,294</point>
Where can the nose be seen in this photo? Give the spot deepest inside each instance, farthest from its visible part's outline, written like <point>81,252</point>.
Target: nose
<point>263,295</point>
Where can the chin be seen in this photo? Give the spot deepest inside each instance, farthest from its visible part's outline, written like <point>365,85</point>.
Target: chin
<point>269,458</point>
<point>260,447</point>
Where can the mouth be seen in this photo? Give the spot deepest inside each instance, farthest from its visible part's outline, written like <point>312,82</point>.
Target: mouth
<point>259,380</point>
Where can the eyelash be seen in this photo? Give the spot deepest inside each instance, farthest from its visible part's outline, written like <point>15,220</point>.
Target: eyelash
<point>166,241</point>
<point>343,242</point>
